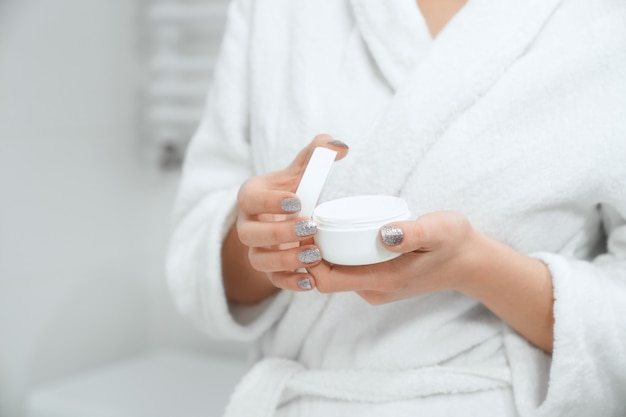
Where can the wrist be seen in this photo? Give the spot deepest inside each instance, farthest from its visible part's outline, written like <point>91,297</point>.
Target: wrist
<point>514,286</point>
<point>242,283</point>
<point>478,255</point>
<point>491,265</point>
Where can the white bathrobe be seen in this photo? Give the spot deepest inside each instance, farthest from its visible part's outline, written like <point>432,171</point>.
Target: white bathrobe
<point>514,115</point>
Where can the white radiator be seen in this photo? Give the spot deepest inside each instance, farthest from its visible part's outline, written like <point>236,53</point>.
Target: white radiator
<point>179,42</point>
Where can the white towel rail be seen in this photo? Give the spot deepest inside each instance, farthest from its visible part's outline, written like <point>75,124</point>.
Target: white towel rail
<point>180,40</point>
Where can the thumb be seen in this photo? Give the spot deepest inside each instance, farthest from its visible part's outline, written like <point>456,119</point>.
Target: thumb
<point>324,140</point>
<point>426,233</point>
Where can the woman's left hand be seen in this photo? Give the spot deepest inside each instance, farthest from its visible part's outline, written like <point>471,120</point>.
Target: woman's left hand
<point>438,252</point>
<point>442,251</point>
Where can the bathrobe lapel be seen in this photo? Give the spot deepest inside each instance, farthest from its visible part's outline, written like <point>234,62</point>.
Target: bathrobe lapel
<point>463,62</point>
<point>395,33</point>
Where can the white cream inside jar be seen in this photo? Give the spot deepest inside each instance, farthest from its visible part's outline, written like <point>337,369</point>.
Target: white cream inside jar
<point>348,228</point>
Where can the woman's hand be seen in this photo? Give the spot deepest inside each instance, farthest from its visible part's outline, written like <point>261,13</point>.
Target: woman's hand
<point>438,250</point>
<point>442,251</point>
<point>267,245</point>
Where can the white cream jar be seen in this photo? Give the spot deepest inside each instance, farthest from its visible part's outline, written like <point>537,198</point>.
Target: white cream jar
<point>347,228</point>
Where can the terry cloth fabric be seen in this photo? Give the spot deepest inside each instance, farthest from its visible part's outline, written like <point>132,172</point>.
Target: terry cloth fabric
<point>514,115</point>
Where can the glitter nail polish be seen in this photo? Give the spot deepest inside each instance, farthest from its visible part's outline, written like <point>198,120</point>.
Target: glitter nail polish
<point>391,235</point>
<point>337,142</point>
<point>305,228</point>
<point>291,205</point>
<point>305,284</point>
<point>309,256</point>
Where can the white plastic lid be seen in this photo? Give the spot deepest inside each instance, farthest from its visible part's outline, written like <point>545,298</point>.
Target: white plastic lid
<point>361,211</point>
<point>313,179</point>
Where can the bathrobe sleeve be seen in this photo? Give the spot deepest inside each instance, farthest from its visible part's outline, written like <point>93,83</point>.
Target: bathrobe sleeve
<point>588,370</point>
<point>218,161</point>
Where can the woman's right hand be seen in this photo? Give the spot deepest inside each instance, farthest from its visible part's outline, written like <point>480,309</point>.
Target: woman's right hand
<point>277,243</point>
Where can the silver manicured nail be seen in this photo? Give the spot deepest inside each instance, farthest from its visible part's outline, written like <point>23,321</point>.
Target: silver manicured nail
<point>392,235</point>
<point>305,284</point>
<point>337,142</point>
<point>309,256</point>
<point>305,228</point>
<point>291,205</point>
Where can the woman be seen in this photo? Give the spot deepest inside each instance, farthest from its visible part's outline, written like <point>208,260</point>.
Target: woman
<point>504,131</point>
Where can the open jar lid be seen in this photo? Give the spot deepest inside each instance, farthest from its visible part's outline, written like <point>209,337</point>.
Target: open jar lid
<point>313,179</point>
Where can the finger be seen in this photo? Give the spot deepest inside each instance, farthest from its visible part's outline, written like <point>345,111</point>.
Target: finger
<point>267,260</point>
<point>293,281</point>
<point>270,193</point>
<point>424,234</point>
<point>261,234</point>
<point>254,199</point>
<point>324,140</point>
<point>338,278</point>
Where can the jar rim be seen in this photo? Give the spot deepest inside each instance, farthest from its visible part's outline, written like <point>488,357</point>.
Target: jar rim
<point>360,211</point>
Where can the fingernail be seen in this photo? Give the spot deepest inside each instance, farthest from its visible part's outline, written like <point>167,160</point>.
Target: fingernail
<point>305,228</point>
<point>291,205</point>
<point>392,235</point>
<point>305,284</point>
<point>308,256</point>
<point>337,142</point>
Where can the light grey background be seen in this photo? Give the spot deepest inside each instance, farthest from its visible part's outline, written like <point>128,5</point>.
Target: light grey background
<point>84,214</point>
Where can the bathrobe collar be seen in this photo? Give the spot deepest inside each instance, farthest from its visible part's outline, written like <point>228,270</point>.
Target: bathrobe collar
<point>462,63</point>
<point>396,35</point>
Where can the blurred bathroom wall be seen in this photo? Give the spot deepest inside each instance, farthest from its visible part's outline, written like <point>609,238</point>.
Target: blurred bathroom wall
<point>84,214</point>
